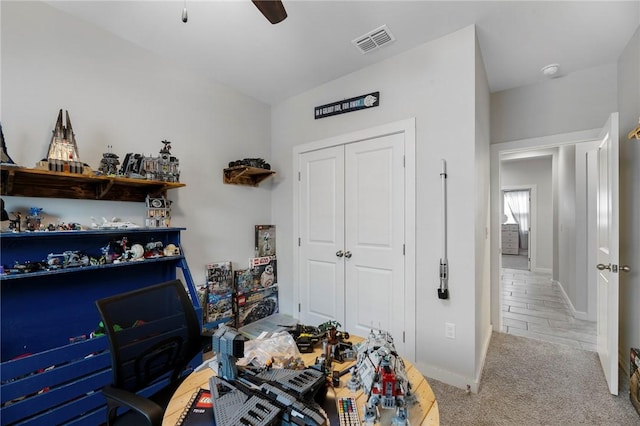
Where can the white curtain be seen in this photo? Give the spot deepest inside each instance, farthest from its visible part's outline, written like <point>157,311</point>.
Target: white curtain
<point>517,204</point>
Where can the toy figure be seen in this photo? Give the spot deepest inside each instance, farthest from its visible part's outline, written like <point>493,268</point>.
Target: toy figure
<point>267,278</point>
<point>109,163</point>
<point>34,220</point>
<point>14,224</point>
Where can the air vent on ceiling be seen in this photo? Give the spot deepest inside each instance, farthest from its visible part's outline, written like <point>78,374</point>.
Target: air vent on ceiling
<point>374,39</point>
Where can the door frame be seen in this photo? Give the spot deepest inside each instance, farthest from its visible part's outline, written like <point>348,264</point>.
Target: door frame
<point>497,151</point>
<point>408,128</point>
<point>587,164</point>
<point>533,218</point>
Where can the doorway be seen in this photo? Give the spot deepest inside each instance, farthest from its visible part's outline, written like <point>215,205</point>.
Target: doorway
<point>516,228</point>
<point>541,283</point>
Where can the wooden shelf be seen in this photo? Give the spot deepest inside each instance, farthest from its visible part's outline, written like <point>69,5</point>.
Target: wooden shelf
<point>245,175</point>
<point>23,182</point>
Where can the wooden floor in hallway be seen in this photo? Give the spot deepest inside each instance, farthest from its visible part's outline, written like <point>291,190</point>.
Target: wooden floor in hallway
<point>533,306</point>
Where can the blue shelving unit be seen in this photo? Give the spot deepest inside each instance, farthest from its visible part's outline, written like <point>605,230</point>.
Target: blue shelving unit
<point>49,374</point>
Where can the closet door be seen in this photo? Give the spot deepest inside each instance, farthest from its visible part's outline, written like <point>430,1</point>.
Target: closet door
<point>351,219</point>
<point>321,238</point>
<point>374,236</point>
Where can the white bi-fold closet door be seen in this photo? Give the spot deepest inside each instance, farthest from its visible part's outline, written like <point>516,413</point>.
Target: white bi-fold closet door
<point>351,219</point>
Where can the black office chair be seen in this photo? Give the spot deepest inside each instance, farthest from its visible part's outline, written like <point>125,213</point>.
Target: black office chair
<point>153,334</point>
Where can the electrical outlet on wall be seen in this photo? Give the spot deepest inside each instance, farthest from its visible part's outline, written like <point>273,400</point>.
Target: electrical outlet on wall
<point>449,330</point>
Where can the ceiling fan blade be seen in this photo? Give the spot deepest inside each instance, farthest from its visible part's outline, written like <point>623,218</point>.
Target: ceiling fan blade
<point>273,10</point>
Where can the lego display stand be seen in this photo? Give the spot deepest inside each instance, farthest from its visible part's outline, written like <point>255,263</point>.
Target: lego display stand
<point>54,359</point>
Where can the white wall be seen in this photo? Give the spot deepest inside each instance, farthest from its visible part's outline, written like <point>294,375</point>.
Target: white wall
<point>629,108</point>
<point>482,224</point>
<point>577,101</point>
<point>535,172</point>
<point>584,304</point>
<point>566,224</point>
<point>120,95</point>
<point>435,83</point>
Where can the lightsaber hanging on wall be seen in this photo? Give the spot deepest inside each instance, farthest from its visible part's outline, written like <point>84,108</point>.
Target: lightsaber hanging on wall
<point>443,291</point>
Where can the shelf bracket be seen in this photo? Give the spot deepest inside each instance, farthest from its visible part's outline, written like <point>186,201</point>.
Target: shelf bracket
<point>160,192</point>
<point>103,189</point>
<point>9,183</point>
<point>246,175</point>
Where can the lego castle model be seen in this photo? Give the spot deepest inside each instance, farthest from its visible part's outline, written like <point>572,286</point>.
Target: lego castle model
<point>63,150</point>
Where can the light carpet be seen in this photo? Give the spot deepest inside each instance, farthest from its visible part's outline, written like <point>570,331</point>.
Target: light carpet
<point>530,382</point>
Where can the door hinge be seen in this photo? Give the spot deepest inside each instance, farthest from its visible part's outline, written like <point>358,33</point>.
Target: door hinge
<point>298,307</point>
<point>403,249</point>
<point>404,162</point>
<point>403,341</point>
<point>299,243</point>
<point>298,176</point>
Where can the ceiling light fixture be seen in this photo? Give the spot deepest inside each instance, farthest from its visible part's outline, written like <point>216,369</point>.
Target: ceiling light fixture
<point>551,70</point>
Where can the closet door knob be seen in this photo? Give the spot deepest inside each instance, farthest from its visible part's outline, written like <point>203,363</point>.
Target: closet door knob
<point>347,255</point>
<point>339,253</point>
<point>602,267</point>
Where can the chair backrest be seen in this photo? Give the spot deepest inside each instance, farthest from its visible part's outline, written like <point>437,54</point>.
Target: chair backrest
<point>153,334</point>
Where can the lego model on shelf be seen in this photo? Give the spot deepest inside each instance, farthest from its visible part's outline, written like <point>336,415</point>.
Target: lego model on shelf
<point>109,163</point>
<point>48,317</point>
<point>250,172</point>
<point>163,168</point>
<point>158,212</point>
<point>63,150</point>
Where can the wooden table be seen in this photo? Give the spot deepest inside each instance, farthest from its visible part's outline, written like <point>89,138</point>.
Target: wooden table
<point>425,412</point>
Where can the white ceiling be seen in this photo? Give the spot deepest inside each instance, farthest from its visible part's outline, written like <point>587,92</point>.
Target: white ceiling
<point>231,42</point>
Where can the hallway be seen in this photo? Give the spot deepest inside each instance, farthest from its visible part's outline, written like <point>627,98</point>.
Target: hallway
<point>533,306</point>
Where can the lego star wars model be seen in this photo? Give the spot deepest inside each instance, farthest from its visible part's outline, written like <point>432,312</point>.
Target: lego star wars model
<point>381,374</point>
<point>265,396</point>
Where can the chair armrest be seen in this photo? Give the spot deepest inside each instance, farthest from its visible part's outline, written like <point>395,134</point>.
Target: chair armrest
<point>149,409</point>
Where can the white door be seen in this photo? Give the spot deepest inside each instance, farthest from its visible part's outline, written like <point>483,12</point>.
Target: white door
<point>321,238</point>
<point>607,254</point>
<point>351,220</point>
<point>374,229</point>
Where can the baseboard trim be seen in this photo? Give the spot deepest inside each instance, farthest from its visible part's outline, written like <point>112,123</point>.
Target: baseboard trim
<point>483,357</point>
<point>448,377</point>
<point>581,315</point>
<point>454,379</point>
